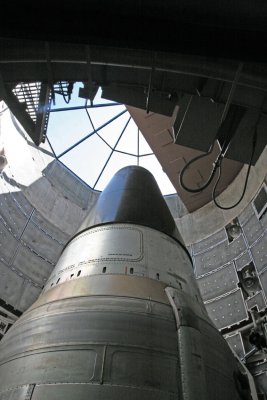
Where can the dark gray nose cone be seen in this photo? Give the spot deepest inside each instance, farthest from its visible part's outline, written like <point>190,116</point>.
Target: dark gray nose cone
<point>133,196</point>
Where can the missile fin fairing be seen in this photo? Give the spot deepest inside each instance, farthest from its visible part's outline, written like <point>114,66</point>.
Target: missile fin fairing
<point>121,315</point>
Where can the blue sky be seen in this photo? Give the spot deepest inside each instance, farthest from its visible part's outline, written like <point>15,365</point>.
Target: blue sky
<point>96,159</point>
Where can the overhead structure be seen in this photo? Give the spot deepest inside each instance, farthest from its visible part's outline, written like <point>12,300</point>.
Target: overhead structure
<point>193,76</point>
<point>196,87</point>
<point>196,93</point>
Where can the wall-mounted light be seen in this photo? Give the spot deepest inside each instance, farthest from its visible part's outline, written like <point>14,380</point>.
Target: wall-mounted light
<point>233,230</point>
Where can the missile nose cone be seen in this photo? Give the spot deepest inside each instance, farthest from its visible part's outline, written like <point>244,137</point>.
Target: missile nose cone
<point>133,196</point>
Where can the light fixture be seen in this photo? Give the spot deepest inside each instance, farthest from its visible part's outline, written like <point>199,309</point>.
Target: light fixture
<point>234,230</point>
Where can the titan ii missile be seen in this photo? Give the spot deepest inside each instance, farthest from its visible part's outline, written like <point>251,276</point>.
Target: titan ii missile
<point>121,316</point>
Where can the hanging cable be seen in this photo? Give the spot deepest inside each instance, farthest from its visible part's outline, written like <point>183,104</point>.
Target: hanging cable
<point>254,141</point>
<point>217,162</point>
<point>199,189</point>
<point>65,91</point>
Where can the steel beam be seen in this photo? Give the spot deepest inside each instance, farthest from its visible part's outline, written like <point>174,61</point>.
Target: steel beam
<point>39,132</point>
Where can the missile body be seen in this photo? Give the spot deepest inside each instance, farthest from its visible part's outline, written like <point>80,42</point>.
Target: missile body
<point>121,316</point>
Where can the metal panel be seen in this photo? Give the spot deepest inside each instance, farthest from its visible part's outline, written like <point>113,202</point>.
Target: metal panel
<point>211,259</point>
<point>219,255</point>
<point>259,253</point>
<point>50,230</point>
<point>124,249</point>
<point>12,214</point>
<point>19,393</point>
<point>197,122</point>
<point>12,189</point>
<point>81,364</point>
<point>209,242</point>
<point>263,220</point>
<point>146,326</point>
<point>263,280</point>
<point>191,349</point>
<point>218,283</point>
<point>112,334</point>
<point>11,285</point>
<point>236,343</point>
<point>36,268</point>
<point>237,246</point>
<point>246,214</point>
<point>243,260</point>
<point>198,349</point>
<point>8,243</point>
<point>252,229</point>
<point>68,185</point>
<point>227,310</point>
<point>97,391</point>
<point>256,300</point>
<point>41,243</point>
<point>240,148</point>
<point>29,294</point>
<point>106,244</point>
<point>143,367</point>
